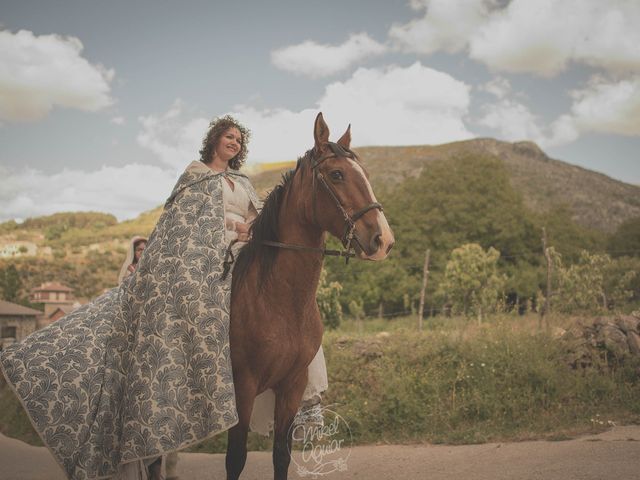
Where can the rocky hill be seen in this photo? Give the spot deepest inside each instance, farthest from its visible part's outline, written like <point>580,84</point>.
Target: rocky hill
<point>595,200</point>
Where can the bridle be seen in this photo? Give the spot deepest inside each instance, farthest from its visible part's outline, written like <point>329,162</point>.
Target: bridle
<point>349,235</point>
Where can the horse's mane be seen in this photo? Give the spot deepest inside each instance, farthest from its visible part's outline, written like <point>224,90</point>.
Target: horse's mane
<point>265,227</point>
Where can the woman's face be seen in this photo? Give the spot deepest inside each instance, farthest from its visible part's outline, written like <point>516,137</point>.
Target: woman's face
<point>139,249</point>
<point>229,144</point>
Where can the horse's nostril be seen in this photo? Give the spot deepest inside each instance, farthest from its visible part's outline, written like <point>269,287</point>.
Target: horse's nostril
<point>390,247</point>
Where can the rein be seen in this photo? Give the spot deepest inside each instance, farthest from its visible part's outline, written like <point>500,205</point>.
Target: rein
<point>349,235</point>
<point>323,251</point>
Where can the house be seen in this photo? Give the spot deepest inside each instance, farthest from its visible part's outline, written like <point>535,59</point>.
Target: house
<point>58,313</point>
<point>18,249</point>
<point>16,322</point>
<point>54,296</point>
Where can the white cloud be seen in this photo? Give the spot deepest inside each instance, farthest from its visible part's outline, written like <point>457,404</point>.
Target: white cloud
<point>540,37</point>
<point>446,25</point>
<point>320,60</point>
<point>123,191</point>
<point>118,120</point>
<point>611,37</point>
<point>391,106</point>
<point>38,73</point>
<point>608,106</point>
<point>400,106</point>
<point>277,134</point>
<point>174,136</point>
<point>513,120</point>
<point>528,37</point>
<point>499,87</point>
<point>603,106</point>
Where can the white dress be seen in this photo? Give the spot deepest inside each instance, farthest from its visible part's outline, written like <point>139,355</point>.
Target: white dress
<point>238,209</point>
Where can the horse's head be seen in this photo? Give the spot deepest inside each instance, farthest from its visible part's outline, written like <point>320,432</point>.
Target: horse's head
<point>343,201</point>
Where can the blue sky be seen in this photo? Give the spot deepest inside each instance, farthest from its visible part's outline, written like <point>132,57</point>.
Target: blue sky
<point>103,104</point>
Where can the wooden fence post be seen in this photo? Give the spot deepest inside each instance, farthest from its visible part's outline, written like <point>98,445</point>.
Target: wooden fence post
<point>547,301</point>
<point>425,277</point>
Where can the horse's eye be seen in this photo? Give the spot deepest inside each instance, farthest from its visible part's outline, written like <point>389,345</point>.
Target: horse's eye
<point>336,175</point>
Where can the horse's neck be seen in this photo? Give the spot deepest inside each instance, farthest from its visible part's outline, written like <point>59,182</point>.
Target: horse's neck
<point>302,268</point>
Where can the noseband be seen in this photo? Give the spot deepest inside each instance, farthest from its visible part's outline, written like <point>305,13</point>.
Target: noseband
<point>349,235</point>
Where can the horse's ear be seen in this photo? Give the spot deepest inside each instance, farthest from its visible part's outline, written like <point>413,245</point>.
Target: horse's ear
<point>320,133</point>
<point>345,140</point>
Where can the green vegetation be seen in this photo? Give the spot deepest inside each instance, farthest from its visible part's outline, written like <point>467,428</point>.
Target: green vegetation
<point>466,385</point>
<point>101,231</point>
<point>328,297</point>
<point>594,283</point>
<point>625,241</point>
<point>88,275</point>
<point>456,382</point>
<point>10,284</point>
<point>469,199</point>
<point>472,284</point>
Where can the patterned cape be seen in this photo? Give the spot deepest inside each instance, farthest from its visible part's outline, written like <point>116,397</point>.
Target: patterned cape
<point>145,368</point>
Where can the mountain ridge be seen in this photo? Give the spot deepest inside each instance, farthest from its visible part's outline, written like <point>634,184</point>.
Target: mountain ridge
<point>595,200</point>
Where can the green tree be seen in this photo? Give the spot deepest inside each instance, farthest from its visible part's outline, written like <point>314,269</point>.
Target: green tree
<point>626,239</point>
<point>328,297</point>
<point>595,283</point>
<point>472,284</point>
<point>465,199</point>
<point>622,282</point>
<point>567,237</point>
<point>10,283</point>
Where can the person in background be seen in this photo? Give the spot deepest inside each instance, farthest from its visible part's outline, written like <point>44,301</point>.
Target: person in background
<point>136,247</point>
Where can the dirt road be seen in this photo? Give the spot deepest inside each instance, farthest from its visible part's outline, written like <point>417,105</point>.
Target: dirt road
<point>611,455</point>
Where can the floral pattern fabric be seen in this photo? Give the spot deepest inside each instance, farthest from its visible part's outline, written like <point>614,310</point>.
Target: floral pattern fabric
<point>145,368</point>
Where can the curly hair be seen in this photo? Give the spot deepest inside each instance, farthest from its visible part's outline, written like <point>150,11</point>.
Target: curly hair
<point>216,128</point>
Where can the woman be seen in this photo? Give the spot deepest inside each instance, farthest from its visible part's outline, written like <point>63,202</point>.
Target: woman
<point>144,369</point>
<point>136,247</point>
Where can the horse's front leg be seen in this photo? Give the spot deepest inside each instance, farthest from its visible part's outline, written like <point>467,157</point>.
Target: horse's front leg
<point>237,435</point>
<point>288,399</point>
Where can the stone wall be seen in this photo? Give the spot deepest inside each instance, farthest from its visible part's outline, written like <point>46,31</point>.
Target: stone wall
<point>605,338</point>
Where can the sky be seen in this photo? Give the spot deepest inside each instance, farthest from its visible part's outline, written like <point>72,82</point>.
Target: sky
<point>103,104</point>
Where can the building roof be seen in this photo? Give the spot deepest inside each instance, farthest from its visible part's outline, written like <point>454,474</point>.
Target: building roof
<point>8,308</point>
<point>52,287</point>
<point>63,310</point>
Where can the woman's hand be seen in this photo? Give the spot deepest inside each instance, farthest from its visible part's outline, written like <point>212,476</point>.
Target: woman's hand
<point>243,231</point>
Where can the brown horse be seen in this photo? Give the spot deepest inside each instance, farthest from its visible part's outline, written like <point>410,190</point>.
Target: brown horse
<point>275,323</point>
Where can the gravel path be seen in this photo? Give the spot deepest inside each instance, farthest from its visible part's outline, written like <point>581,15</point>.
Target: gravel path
<point>614,455</point>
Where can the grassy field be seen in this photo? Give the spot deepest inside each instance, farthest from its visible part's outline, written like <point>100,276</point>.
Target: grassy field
<point>460,382</point>
<point>454,382</point>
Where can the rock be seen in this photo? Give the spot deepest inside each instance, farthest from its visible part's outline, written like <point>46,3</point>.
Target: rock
<point>633,339</point>
<point>585,341</point>
<point>628,323</point>
<point>600,322</point>
<point>613,339</point>
<point>368,349</point>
